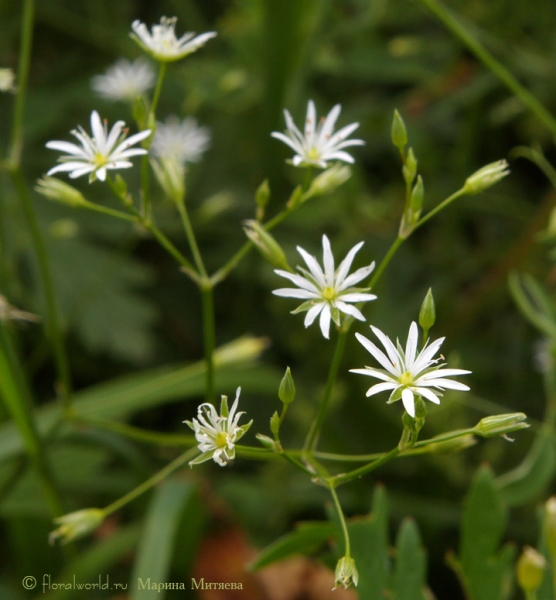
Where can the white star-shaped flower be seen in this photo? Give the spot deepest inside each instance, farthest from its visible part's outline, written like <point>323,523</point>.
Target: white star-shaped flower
<point>125,80</point>
<point>99,153</point>
<point>407,373</point>
<point>318,144</point>
<point>327,292</point>
<point>161,42</point>
<point>183,141</point>
<point>218,433</point>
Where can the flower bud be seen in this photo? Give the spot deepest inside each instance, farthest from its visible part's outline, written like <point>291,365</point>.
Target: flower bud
<point>550,526</point>
<point>328,181</point>
<point>60,191</point>
<point>296,198</point>
<point>171,176</point>
<point>501,424</point>
<point>486,177</point>
<point>262,195</point>
<point>530,569</point>
<point>286,392</point>
<point>76,524</point>
<point>7,80</point>
<point>266,244</point>
<point>427,314</point>
<point>245,349</point>
<point>447,446</point>
<point>265,441</point>
<point>398,131</point>
<point>410,168</point>
<point>417,197</point>
<point>275,423</point>
<point>346,573</point>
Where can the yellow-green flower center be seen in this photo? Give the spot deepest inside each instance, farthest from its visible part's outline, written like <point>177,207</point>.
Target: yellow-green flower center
<point>313,153</point>
<point>329,293</point>
<point>406,378</point>
<point>100,159</point>
<point>221,439</point>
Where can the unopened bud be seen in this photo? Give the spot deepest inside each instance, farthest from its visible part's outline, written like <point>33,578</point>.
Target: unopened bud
<point>266,244</point>
<point>550,526</point>
<point>486,177</point>
<point>346,573</point>
<point>328,181</point>
<point>262,195</point>
<point>501,424</point>
<point>170,174</point>
<point>530,569</point>
<point>275,423</point>
<point>76,524</point>
<point>427,314</point>
<point>417,197</point>
<point>410,168</point>
<point>268,442</point>
<point>398,132</point>
<point>296,198</point>
<point>60,191</point>
<point>245,349</point>
<point>286,392</point>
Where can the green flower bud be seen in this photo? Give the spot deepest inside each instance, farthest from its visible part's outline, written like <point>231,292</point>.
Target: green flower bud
<point>262,195</point>
<point>410,168</point>
<point>346,573</point>
<point>417,197</point>
<point>550,526</point>
<point>328,181</point>
<point>296,198</point>
<point>530,569</point>
<point>286,392</point>
<point>266,244</point>
<point>501,424</point>
<point>245,349</point>
<point>170,175</point>
<point>266,442</point>
<point>427,314</point>
<point>486,177</point>
<point>275,423</point>
<point>398,131</point>
<point>60,191</point>
<point>76,524</point>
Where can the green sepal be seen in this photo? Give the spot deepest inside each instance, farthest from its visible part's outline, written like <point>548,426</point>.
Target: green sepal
<point>204,457</point>
<point>286,391</point>
<point>224,412</point>
<point>275,423</point>
<point>303,307</point>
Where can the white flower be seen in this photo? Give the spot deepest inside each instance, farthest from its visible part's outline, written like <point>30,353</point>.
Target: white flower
<point>407,373</point>
<point>182,141</point>
<point>99,153</point>
<point>124,80</point>
<point>319,144</point>
<point>327,292</point>
<point>7,80</point>
<point>217,433</point>
<point>161,43</point>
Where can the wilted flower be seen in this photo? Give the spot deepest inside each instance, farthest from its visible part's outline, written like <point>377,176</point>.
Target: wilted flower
<point>218,433</point>
<point>318,144</point>
<point>99,153</point>
<point>183,141</point>
<point>407,372</point>
<point>161,42</point>
<point>327,292</point>
<point>76,524</point>
<point>124,80</point>
<point>346,573</point>
<point>486,177</point>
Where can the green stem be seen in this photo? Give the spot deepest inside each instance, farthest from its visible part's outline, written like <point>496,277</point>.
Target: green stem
<point>209,340</point>
<point>152,481</point>
<point>439,207</point>
<point>157,90</point>
<point>17,400</point>
<point>16,141</point>
<point>110,212</point>
<point>356,473</point>
<point>342,519</point>
<point>385,262</point>
<point>191,239</point>
<point>503,74</point>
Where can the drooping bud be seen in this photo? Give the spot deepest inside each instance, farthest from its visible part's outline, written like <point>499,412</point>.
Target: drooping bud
<point>266,244</point>
<point>286,392</point>
<point>398,132</point>
<point>346,573</point>
<point>76,524</point>
<point>486,177</point>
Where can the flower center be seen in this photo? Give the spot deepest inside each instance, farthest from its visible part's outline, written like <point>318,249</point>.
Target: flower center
<point>100,159</point>
<point>329,293</point>
<point>313,153</point>
<point>221,439</point>
<point>406,378</point>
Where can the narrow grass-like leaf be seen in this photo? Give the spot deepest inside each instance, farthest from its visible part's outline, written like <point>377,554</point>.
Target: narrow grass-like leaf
<point>411,563</point>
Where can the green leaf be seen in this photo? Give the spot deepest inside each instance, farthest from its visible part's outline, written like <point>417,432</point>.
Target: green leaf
<point>483,568</point>
<point>533,302</point>
<point>369,548</point>
<point>411,563</point>
<point>304,540</point>
<point>527,481</point>
<point>154,556</point>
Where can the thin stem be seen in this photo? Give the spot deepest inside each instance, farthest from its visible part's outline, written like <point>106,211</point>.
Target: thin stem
<point>110,212</point>
<point>157,90</point>
<point>209,340</point>
<point>385,262</point>
<point>341,517</point>
<point>16,141</point>
<point>356,473</point>
<point>503,74</point>
<point>439,207</point>
<point>191,239</point>
<point>152,481</point>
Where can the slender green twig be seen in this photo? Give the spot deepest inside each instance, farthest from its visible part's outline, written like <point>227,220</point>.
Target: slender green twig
<point>461,192</point>
<point>342,519</point>
<point>157,90</point>
<point>499,70</point>
<point>356,473</point>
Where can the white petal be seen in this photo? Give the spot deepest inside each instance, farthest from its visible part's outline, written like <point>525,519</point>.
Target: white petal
<point>408,402</point>
<point>345,265</point>
<point>327,260</point>
<point>349,310</point>
<point>357,297</point>
<point>313,313</point>
<point>411,345</point>
<point>369,371</point>
<point>378,355</point>
<point>294,293</point>
<point>393,354</point>
<point>428,394</point>
<point>324,322</point>
<point>314,266</point>
<point>380,387</point>
<point>357,276</point>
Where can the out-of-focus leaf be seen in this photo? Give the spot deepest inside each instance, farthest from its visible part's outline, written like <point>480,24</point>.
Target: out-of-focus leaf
<point>533,302</point>
<point>527,481</point>
<point>484,568</point>
<point>304,540</point>
<point>154,556</point>
<point>369,548</point>
<point>411,563</point>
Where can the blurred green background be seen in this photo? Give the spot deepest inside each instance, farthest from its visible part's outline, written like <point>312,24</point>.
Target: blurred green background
<point>126,308</point>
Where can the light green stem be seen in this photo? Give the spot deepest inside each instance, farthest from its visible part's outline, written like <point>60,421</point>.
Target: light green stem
<point>186,222</point>
<point>341,517</point>
<point>503,74</point>
<point>157,90</point>
<point>440,207</point>
<point>178,462</point>
<point>356,473</point>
